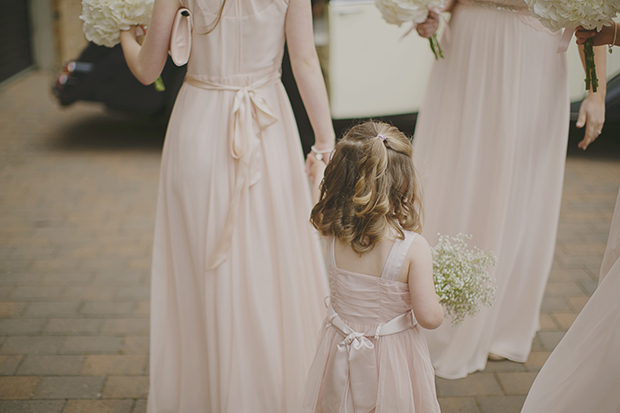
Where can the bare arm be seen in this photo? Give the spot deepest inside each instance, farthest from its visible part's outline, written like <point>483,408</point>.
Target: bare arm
<point>592,110</point>
<point>146,61</point>
<point>424,299</point>
<point>307,72</point>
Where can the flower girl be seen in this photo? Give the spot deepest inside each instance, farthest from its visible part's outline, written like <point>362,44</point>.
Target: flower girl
<point>372,353</point>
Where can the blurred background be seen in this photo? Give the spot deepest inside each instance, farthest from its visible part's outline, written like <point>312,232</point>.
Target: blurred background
<point>47,35</point>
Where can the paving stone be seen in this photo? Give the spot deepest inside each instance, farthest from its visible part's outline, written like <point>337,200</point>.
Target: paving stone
<point>138,292</point>
<point>143,309</point>
<point>136,345</point>
<point>564,320</point>
<point>124,326</point>
<point>11,309</point>
<point>563,289</point>
<point>21,326</point>
<point>90,293</point>
<point>98,406</point>
<point>506,404</point>
<point>17,388</point>
<point>69,387</point>
<point>577,303</point>
<point>504,365</point>
<point>73,326</point>
<point>92,345</point>
<point>589,286</point>
<point>121,387</point>
<point>8,365</point>
<point>458,405</point>
<point>554,304</point>
<point>36,293</point>
<point>32,406</point>
<point>473,385</point>
<point>536,360</point>
<point>140,406</point>
<point>104,365</point>
<point>50,365</point>
<point>107,308</point>
<point>31,345</point>
<point>547,323</point>
<point>52,309</point>
<point>550,339</point>
<point>516,383</point>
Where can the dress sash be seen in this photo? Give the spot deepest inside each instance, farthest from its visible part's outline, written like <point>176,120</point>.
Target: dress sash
<point>354,367</point>
<point>250,116</point>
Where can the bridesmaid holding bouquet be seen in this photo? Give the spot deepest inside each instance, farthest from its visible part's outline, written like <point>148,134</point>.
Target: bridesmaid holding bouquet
<point>490,143</point>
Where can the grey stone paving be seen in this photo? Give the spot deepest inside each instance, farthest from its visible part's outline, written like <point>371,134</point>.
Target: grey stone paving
<point>77,203</point>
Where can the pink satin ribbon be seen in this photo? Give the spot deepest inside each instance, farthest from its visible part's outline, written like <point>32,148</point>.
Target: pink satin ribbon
<point>565,40</point>
<point>250,116</point>
<point>353,375</point>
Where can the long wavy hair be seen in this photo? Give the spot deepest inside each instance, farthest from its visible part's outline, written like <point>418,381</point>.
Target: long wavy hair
<point>370,188</point>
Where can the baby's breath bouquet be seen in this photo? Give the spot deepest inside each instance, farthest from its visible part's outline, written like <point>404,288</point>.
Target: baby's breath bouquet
<point>416,11</point>
<point>461,278</point>
<point>105,19</point>
<point>570,14</point>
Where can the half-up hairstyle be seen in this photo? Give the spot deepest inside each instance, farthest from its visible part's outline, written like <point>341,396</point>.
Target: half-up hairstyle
<point>370,188</point>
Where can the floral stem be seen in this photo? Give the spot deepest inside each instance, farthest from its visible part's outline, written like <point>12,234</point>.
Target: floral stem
<point>435,47</point>
<point>159,85</point>
<point>591,78</point>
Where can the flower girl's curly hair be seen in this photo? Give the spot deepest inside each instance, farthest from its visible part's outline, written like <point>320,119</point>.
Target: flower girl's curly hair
<point>370,188</point>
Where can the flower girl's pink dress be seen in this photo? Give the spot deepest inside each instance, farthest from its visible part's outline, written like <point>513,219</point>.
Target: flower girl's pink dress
<point>371,352</point>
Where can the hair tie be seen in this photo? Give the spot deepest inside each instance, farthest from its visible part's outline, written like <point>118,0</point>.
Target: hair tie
<point>382,137</point>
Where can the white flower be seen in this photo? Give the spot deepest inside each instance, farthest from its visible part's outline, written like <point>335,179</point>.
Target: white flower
<point>461,278</point>
<point>559,14</point>
<point>104,19</point>
<point>402,11</point>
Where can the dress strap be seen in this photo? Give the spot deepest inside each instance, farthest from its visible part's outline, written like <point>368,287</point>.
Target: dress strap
<point>397,256</point>
<point>330,253</point>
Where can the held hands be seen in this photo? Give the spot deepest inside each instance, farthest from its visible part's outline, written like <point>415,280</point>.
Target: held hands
<point>429,26</point>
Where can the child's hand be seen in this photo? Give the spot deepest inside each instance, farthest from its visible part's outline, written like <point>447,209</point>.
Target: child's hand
<point>429,26</point>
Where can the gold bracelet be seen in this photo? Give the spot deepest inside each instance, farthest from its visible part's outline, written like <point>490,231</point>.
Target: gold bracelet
<point>611,46</point>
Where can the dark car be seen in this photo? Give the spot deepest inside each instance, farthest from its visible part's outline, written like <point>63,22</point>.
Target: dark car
<point>100,74</point>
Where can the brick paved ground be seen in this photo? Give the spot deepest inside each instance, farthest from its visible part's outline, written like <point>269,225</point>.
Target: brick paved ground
<point>77,201</point>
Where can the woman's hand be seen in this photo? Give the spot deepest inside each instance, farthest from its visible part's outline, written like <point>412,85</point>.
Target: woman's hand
<point>429,26</point>
<point>605,36</point>
<point>592,115</point>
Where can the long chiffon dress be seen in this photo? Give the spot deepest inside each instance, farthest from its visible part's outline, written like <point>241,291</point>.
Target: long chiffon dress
<point>583,372</point>
<point>238,276</point>
<point>490,145</point>
<point>374,357</point>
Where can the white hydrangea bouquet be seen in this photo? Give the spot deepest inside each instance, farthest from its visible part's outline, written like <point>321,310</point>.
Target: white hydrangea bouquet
<point>461,277</point>
<point>570,14</point>
<point>415,11</point>
<point>105,19</point>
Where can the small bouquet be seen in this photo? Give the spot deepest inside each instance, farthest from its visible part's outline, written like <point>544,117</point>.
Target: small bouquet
<point>461,278</point>
<point>570,14</point>
<point>416,11</point>
<point>105,19</point>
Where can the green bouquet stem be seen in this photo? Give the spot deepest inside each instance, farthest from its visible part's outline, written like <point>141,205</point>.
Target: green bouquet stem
<point>159,85</point>
<point>591,78</point>
<point>435,47</point>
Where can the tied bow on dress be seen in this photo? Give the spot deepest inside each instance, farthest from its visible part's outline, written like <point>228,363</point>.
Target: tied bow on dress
<point>354,367</point>
<point>250,116</point>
